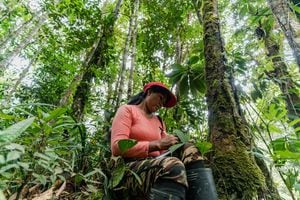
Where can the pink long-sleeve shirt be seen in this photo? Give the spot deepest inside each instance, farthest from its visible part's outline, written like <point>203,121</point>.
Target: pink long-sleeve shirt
<point>130,122</point>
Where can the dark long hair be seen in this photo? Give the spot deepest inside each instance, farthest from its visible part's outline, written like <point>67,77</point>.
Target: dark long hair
<point>138,98</point>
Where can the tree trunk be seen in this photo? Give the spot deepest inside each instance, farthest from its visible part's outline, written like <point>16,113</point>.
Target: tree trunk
<point>197,6</point>
<point>27,40</point>
<point>280,76</point>
<point>232,164</point>
<point>19,80</point>
<point>281,12</point>
<point>98,59</point>
<point>272,192</point>
<point>133,48</point>
<point>15,31</point>
<point>120,85</point>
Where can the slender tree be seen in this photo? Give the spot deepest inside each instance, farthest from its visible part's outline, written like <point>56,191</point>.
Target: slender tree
<point>133,48</point>
<point>98,59</point>
<point>24,43</point>
<point>121,80</point>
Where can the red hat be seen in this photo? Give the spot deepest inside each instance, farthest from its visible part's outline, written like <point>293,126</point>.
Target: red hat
<point>172,98</point>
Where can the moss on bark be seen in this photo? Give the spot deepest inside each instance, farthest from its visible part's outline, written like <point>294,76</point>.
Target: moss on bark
<point>236,174</point>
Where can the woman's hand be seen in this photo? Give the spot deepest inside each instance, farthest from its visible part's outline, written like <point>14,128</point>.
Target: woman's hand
<point>163,143</point>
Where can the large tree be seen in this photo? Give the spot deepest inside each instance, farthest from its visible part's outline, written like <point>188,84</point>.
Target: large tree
<point>228,131</point>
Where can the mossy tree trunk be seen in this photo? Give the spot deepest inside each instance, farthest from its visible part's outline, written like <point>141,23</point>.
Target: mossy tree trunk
<point>98,60</point>
<point>281,12</point>
<point>236,173</point>
<point>281,77</point>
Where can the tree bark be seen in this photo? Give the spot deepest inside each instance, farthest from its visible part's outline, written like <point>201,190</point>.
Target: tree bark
<point>120,85</point>
<point>19,80</point>
<point>233,166</point>
<point>133,48</point>
<point>281,12</point>
<point>68,93</point>
<point>197,5</point>
<point>98,59</point>
<point>14,33</point>
<point>27,40</point>
<point>281,77</point>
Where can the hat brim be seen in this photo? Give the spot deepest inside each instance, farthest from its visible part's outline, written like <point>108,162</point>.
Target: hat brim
<point>171,100</point>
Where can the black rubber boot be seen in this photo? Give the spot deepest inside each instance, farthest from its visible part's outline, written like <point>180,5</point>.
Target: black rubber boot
<point>201,184</point>
<point>167,190</point>
<point>156,194</point>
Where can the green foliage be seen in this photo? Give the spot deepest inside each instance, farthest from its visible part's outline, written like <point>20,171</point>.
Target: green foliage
<point>126,144</point>
<point>189,77</point>
<point>169,41</point>
<point>14,131</point>
<point>204,147</point>
<point>184,138</point>
<point>36,148</point>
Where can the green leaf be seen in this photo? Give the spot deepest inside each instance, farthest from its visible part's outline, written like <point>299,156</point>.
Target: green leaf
<point>274,129</point>
<point>176,74</point>
<point>23,165</point>
<point>58,170</point>
<point>295,8</point>
<point>2,159</point>
<point>295,121</point>
<point>12,132</point>
<point>183,86</point>
<point>193,60</point>
<point>182,137</point>
<point>5,116</point>
<point>43,156</point>
<point>13,155</point>
<point>281,114</point>
<point>14,146</point>
<point>297,187</point>
<point>287,155</point>
<point>197,84</point>
<point>8,167</point>
<point>175,147</point>
<point>92,188</point>
<point>117,175</point>
<point>278,144</point>
<point>55,113</point>
<point>41,178</point>
<point>95,171</point>
<point>126,144</point>
<point>78,178</point>
<point>2,197</point>
<point>204,147</point>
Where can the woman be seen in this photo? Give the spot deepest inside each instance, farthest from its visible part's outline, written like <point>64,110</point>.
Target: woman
<point>163,177</point>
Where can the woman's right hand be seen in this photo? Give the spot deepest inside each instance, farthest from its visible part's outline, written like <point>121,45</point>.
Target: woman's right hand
<point>168,141</point>
<point>163,143</point>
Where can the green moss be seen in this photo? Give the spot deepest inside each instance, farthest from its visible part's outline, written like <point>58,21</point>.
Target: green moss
<point>236,175</point>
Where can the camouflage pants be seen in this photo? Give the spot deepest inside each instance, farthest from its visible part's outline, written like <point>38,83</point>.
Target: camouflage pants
<point>151,169</point>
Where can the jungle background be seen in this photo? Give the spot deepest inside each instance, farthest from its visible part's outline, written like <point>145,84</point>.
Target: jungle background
<point>66,66</point>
